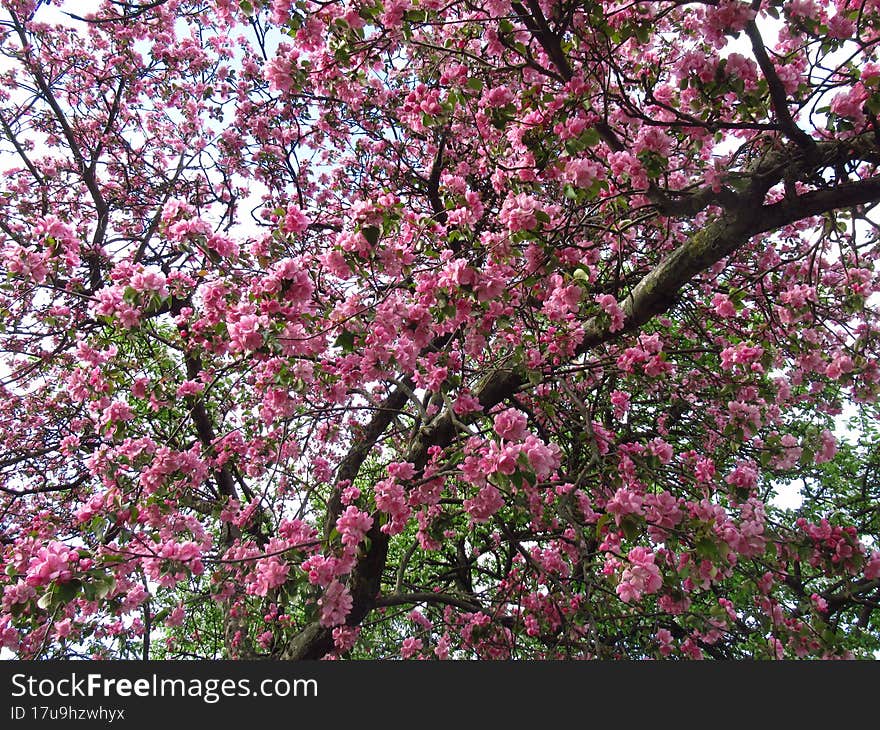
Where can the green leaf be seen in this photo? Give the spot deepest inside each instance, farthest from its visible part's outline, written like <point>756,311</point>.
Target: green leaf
<point>706,548</point>
<point>600,524</point>
<point>66,592</point>
<point>371,233</point>
<point>590,137</point>
<point>345,341</point>
<point>630,525</point>
<point>103,585</point>
<point>162,615</point>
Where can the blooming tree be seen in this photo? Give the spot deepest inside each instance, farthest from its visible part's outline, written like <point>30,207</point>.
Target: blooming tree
<point>439,328</point>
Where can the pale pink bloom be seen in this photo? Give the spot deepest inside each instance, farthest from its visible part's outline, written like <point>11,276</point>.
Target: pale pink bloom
<point>410,647</point>
<point>498,97</point>
<point>51,563</point>
<point>723,306</point>
<point>612,309</point>
<point>544,458</point>
<point>582,173</point>
<point>335,604</point>
<point>175,618</point>
<point>401,470</point>
<point>321,569</point>
<point>442,648</point>
<point>353,525</point>
<point>511,424</point>
<point>345,637</point>
<point>620,401</point>
<point>641,577</point>
<point>485,504</point>
<point>295,221</point>
<point>624,502</point>
<point>662,450</point>
<point>270,573</point>
<point>872,568</point>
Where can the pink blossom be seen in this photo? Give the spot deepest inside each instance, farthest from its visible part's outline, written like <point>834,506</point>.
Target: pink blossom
<point>8,634</point>
<point>723,306</point>
<point>442,648</point>
<point>353,525</point>
<point>281,70</point>
<point>653,139</point>
<point>345,637</point>
<point>840,27</point>
<point>189,387</point>
<point>620,401</point>
<point>624,502</point>
<point>487,502</point>
<point>518,213</point>
<point>777,648</point>
<point>498,96</point>
<point>642,577</point>
<point>402,470</point>
<point>563,300</point>
<point>410,647</point>
<point>704,470</point>
<point>849,103</point>
<point>466,403</point>
<point>662,450</point>
<point>63,628</point>
<point>544,458</point>
<point>511,424</point>
<point>390,497</point>
<point>582,173</point>
<point>335,603</point>
<point>295,221</point>
<point>18,592</point>
<point>175,618</point>
<point>118,411</point>
<point>612,309</point>
<point>744,476</point>
<point>51,563</point>
<point>872,568</point>
<point>245,332</point>
<point>839,365</point>
<point>321,569</point>
<point>664,638</point>
<point>270,573</point>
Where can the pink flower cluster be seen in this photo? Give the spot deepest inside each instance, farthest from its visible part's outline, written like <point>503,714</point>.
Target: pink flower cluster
<point>642,577</point>
<point>335,603</point>
<point>52,563</point>
<point>518,213</point>
<point>390,497</point>
<point>353,525</point>
<point>485,504</point>
<point>612,309</point>
<point>511,424</point>
<point>270,573</point>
